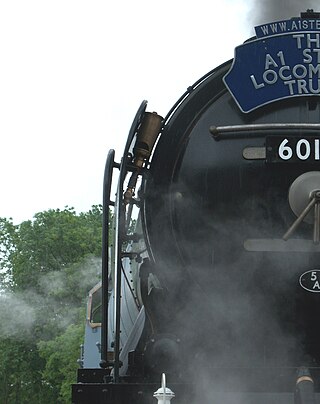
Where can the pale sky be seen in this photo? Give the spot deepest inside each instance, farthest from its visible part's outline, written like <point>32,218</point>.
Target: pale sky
<point>73,74</point>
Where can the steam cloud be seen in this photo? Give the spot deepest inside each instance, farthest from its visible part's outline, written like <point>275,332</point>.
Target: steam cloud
<point>241,317</point>
<point>273,10</point>
<point>16,315</point>
<point>20,311</point>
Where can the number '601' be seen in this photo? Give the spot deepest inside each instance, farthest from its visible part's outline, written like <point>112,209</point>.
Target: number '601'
<point>303,150</point>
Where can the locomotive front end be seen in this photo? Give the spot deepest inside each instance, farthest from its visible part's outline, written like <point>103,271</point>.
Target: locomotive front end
<point>225,252</point>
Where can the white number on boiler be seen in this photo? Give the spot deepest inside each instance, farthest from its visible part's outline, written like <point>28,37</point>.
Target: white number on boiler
<point>304,149</point>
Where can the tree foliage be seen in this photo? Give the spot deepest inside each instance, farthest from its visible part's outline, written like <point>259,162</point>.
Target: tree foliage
<point>53,240</point>
<point>59,370</point>
<point>21,379</point>
<point>47,267</point>
<point>7,247</point>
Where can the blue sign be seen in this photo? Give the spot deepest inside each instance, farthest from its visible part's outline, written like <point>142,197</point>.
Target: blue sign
<point>287,26</point>
<point>283,62</point>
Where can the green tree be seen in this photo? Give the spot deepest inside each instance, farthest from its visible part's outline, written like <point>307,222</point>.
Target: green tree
<point>7,248</point>
<point>53,240</point>
<point>21,379</point>
<point>59,370</point>
<point>48,265</point>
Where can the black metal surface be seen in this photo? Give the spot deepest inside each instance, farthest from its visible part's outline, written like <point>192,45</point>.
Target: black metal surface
<point>310,13</point>
<point>134,126</point>
<point>203,202</point>
<point>142,393</point>
<point>123,393</point>
<point>93,375</point>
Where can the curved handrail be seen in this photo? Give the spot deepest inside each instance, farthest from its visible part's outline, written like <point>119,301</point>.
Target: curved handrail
<point>107,181</point>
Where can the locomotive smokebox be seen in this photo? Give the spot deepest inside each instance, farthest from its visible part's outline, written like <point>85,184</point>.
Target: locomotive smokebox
<point>227,230</point>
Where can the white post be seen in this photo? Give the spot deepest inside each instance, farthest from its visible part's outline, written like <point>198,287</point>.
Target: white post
<point>164,394</point>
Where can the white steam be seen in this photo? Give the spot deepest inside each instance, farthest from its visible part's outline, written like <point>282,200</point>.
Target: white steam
<point>273,10</point>
<point>56,301</point>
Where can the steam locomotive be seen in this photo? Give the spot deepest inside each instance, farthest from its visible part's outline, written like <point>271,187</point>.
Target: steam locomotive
<point>213,273</point>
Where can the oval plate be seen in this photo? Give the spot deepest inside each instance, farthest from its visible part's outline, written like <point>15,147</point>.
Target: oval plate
<point>310,280</point>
